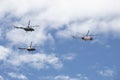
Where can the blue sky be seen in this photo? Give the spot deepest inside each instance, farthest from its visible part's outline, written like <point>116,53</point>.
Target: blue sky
<point>58,55</point>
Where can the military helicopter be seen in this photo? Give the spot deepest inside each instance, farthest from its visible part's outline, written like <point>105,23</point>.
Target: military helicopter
<point>28,28</point>
<point>86,37</point>
<point>29,48</point>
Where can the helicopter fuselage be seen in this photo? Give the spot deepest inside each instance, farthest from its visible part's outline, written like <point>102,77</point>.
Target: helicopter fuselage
<point>31,49</point>
<point>29,29</point>
<point>87,38</point>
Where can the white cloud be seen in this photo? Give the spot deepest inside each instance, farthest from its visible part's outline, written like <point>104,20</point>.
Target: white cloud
<point>82,77</point>
<point>4,52</point>
<point>62,77</point>
<point>107,73</point>
<point>99,16</point>
<point>98,26</point>
<point>70,8</point>
<point>1,78</point>
<point>60,12</point>
<point>66,77</point>
<point>38,61</point>
<point>69,56</point>
<point>17,76</point>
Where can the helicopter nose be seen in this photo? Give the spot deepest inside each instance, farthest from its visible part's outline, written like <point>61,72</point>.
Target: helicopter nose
<point>32,29</point>
<point>82,37</point>
<point>91,38</point>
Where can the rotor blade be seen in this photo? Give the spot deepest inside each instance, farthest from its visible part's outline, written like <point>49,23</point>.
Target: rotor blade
<point>92,35</point>
<point>35,26</point>
<point>30,44</point>
<point>75,37</point>
<point>87,33</point>
<point>36,46</point>
<point>18,27</point>
<point>21,48</point>
<point>79,34</point>
<point>28,23</point>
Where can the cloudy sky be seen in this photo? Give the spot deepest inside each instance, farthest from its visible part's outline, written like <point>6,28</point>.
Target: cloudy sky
<point>58,55</point>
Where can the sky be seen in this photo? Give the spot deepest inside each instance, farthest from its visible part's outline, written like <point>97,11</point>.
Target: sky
<point>58,56</point>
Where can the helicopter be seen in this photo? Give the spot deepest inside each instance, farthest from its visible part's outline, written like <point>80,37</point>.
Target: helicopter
<point>28,28</point>
<point>29,48</point>
<point>86,37</point>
